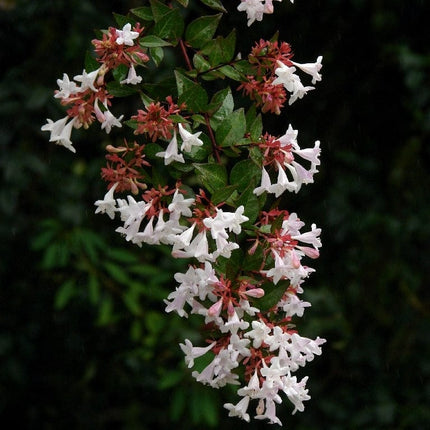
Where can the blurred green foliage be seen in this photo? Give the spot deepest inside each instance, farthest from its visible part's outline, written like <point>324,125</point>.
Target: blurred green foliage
<point>84,340</point>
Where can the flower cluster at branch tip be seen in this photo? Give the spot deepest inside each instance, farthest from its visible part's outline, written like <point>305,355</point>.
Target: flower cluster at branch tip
<point>87,96</point>
<point>248,258</point>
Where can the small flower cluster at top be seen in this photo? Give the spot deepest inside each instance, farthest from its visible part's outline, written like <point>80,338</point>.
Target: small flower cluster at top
<point>86,95</point>
<point>255,9</point>
<point>248,306</point>
<point>274,76</point>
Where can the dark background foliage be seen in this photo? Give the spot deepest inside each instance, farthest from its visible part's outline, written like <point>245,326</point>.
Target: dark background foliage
<point>84,341</point>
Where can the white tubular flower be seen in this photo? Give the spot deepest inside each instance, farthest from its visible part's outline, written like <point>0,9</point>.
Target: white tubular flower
<point>290,81</point>
<point>106,118</point>
<point>254,10</point>
<point>126,36</point>
<point>87,80</point>
<point>311,69</point>
<point>259,333</point>
<point>61,131</point>
<point>67,87</point>
<point>310,237</point>
<point>181,205</point>
<point>107,205</point>
<point>132,77</point>
<point>188,139</point>
<point>265,185</point>
<point>191,352</point>
<point>239,410</point>
<point>171,153</point>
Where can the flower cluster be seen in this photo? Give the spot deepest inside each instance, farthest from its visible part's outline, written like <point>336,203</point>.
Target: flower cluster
<point>274,76</point>
<point>198,176</point>
<point>86,96</point>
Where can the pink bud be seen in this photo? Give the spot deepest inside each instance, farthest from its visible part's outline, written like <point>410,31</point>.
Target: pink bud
<point>295,260</point>
<point>310,252</point>
<point>215,309</point>
<point>230,308</point>
<point>255,292</point>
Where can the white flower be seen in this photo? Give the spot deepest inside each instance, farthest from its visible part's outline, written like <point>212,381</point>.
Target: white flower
<point>87,80</point>
<point>188,139</point>
<point>106,118</point>
<point>239,410</point>
<point>191,352</point>
<point>132,77</point>
<point>67,87</point>
<point>290,81</point>
<point>254,10</point>
<point>171,153</point>
<point>181,205</point>
<point>265,183</point>
<point>61,131</point>
<point>126,36</point>
<point>107,205</point>
<point>311,69</point>
<point>259,333</point>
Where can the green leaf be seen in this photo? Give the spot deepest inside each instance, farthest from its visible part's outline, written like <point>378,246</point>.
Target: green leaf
<point>231,73</point>
<point>232,129</point>
<point>222,105</point>
<point>120,72</point>
<point>254,123</point>
<point>253,261</point>
<point>220,50</point>
<point>170,26</point>
<point>152,41</point>
<point>272,295</point>
<point>157,55</point>
<point>64,294</point>
<point>201,30</point>
<point>159,10</point>
<point>223,194</point>
<point>250,201</point>
<point>234,264</point>
<point>214,4</point>
<point>200,63</point>
<point>212,176</point>
<point>143,12</point>
<point>245,173</point>
<point>191,93</point>
<point>119,90</point>
<point>105,315</point>
<point>183,2</point>
<point>121,20</point>
<point>91,63</point>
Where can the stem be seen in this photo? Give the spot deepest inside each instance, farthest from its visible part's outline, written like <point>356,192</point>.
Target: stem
<point>208,125</point>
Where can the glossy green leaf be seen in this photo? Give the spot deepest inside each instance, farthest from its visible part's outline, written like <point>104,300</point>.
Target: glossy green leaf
<point>212,176</point>
<point>214,4</point>
<point>245,173</point>
<point>157,54</point>
<point>201,30</point>
<point>143,12</point>
<point>191,93</point>
<point>120,90</point>
<point>221,107</point>
<point>272,295</point>
<point>220,50</point>
<point>231,129</point>
<point>153,41</point>
<point>170,26</point>
<point>223,194</point>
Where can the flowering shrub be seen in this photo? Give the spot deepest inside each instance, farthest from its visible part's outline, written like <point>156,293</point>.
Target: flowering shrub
<point>200,175</point>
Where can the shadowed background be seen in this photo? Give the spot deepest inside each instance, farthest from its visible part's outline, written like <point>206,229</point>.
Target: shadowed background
<point>84,340</point>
